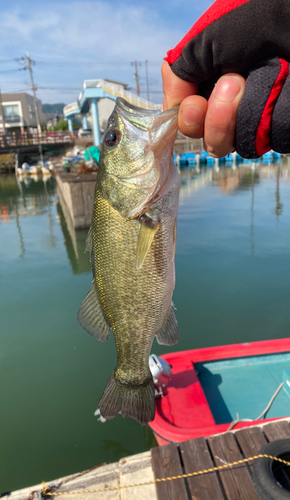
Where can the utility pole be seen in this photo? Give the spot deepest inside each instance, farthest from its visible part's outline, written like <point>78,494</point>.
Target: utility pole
<point>147,80</point>
<point>30,62</point>
<point>136,75</point>
<point>2,114</point>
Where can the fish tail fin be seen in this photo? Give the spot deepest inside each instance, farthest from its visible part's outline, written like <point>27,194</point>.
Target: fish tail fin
<point>137,401</point>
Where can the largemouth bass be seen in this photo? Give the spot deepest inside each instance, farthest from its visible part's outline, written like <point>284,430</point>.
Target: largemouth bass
<point>132,240</point>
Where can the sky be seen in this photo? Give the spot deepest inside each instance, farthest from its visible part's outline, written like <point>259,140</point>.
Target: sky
<point>72,41</point>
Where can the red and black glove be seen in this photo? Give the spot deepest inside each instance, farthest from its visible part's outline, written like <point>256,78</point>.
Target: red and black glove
<point>250,37</point>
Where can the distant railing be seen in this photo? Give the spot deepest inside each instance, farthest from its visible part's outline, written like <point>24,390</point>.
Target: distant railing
<point>71,107</point>
<point>15,139</point>
<point>119,91</point>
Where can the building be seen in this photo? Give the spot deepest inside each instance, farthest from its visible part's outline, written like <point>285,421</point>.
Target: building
<point>19,112</point>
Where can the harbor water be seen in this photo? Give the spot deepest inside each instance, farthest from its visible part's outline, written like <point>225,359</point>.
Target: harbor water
<point>232,285</point>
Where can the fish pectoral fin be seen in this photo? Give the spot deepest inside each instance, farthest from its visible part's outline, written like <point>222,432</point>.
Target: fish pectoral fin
<point>169,334</point>
<point>91,317</point>
<point>145,239</point>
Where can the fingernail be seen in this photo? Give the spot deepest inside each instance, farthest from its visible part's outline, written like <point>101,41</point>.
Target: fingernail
<point>227,89</point>
<point>191,115</point>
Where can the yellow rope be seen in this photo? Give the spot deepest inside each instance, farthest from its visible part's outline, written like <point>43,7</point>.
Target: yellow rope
<point>45,491</point>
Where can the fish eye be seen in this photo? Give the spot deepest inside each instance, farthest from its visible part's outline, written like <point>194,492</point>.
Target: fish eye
<point>112,137</point>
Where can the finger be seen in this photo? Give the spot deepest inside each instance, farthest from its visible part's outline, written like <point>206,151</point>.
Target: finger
<point>175,89</point>
<point>221,117</point>
<point>191,116</point>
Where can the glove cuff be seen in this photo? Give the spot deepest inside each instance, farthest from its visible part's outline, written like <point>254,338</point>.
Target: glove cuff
<point>254,117</point>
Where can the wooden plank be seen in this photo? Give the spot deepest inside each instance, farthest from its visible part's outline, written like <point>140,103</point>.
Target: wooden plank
<point>251,440</point>
<point>237,481</point>
<point>277,430</point>
<point>166,463</point>
<point>196,456</point>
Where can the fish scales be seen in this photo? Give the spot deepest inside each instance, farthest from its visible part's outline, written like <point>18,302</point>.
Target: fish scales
<point>132,299</point>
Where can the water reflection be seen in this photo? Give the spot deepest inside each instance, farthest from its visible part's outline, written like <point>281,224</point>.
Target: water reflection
<point>115,448</point>
<point>35,196</point>
<point>231,179</point>
<point>252,234</point>
<point>279,205</point>
<point>25,199</point>
<point>74,240</point>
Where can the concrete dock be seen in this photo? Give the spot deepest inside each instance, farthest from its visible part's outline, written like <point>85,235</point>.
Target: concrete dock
<point>129,470</point>
<point>76,191</point>
<point>201,454</point>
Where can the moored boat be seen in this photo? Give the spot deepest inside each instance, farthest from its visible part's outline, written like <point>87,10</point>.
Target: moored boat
<point>215,388</point>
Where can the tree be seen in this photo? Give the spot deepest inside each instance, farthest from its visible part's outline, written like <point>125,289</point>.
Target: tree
<point>61,125</point>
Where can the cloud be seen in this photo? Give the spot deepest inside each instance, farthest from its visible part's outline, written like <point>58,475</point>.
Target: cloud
<point>113,33</point>
<point>99,29</point>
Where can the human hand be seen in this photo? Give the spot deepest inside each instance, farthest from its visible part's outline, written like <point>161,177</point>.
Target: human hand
<point>215,119</point>
<point>241,37</point>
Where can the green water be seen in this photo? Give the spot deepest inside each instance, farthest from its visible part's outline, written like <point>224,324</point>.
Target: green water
<point>232,285</point>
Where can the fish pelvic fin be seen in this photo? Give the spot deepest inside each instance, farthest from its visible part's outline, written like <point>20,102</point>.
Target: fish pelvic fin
<point>91,317</point>
<point>89,241</point>
<point>136,402</point>
<point>146,236</point>
<point>169,334</point>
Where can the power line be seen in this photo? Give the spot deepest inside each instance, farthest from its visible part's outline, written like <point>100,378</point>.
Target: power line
<point>91,62</point>
<point>10,70</point>
<point>3,61</point>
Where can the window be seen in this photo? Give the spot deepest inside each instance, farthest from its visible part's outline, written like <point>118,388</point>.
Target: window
<point>11,112</point>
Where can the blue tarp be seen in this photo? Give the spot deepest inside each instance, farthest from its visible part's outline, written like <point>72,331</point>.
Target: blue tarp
<point>92,152</point>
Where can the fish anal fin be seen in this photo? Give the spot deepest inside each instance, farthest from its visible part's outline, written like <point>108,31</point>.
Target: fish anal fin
<point>91,317</point>
<point>174,239</point>
<point>146,236</point>
<point>169,334</point>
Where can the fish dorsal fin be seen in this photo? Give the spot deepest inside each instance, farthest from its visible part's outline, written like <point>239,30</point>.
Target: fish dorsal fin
<point>91,317</point>
<point>146,236</point>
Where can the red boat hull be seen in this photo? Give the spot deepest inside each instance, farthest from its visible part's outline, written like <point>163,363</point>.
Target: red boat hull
<point>183,413</point>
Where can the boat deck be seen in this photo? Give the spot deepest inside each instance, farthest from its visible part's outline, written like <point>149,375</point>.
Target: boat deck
<point>211,387</point>
<point>245,386</point>
<point>204,453</point>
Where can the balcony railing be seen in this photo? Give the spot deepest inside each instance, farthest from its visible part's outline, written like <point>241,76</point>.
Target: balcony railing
<point>15,139</point>
<point>71,107</point>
